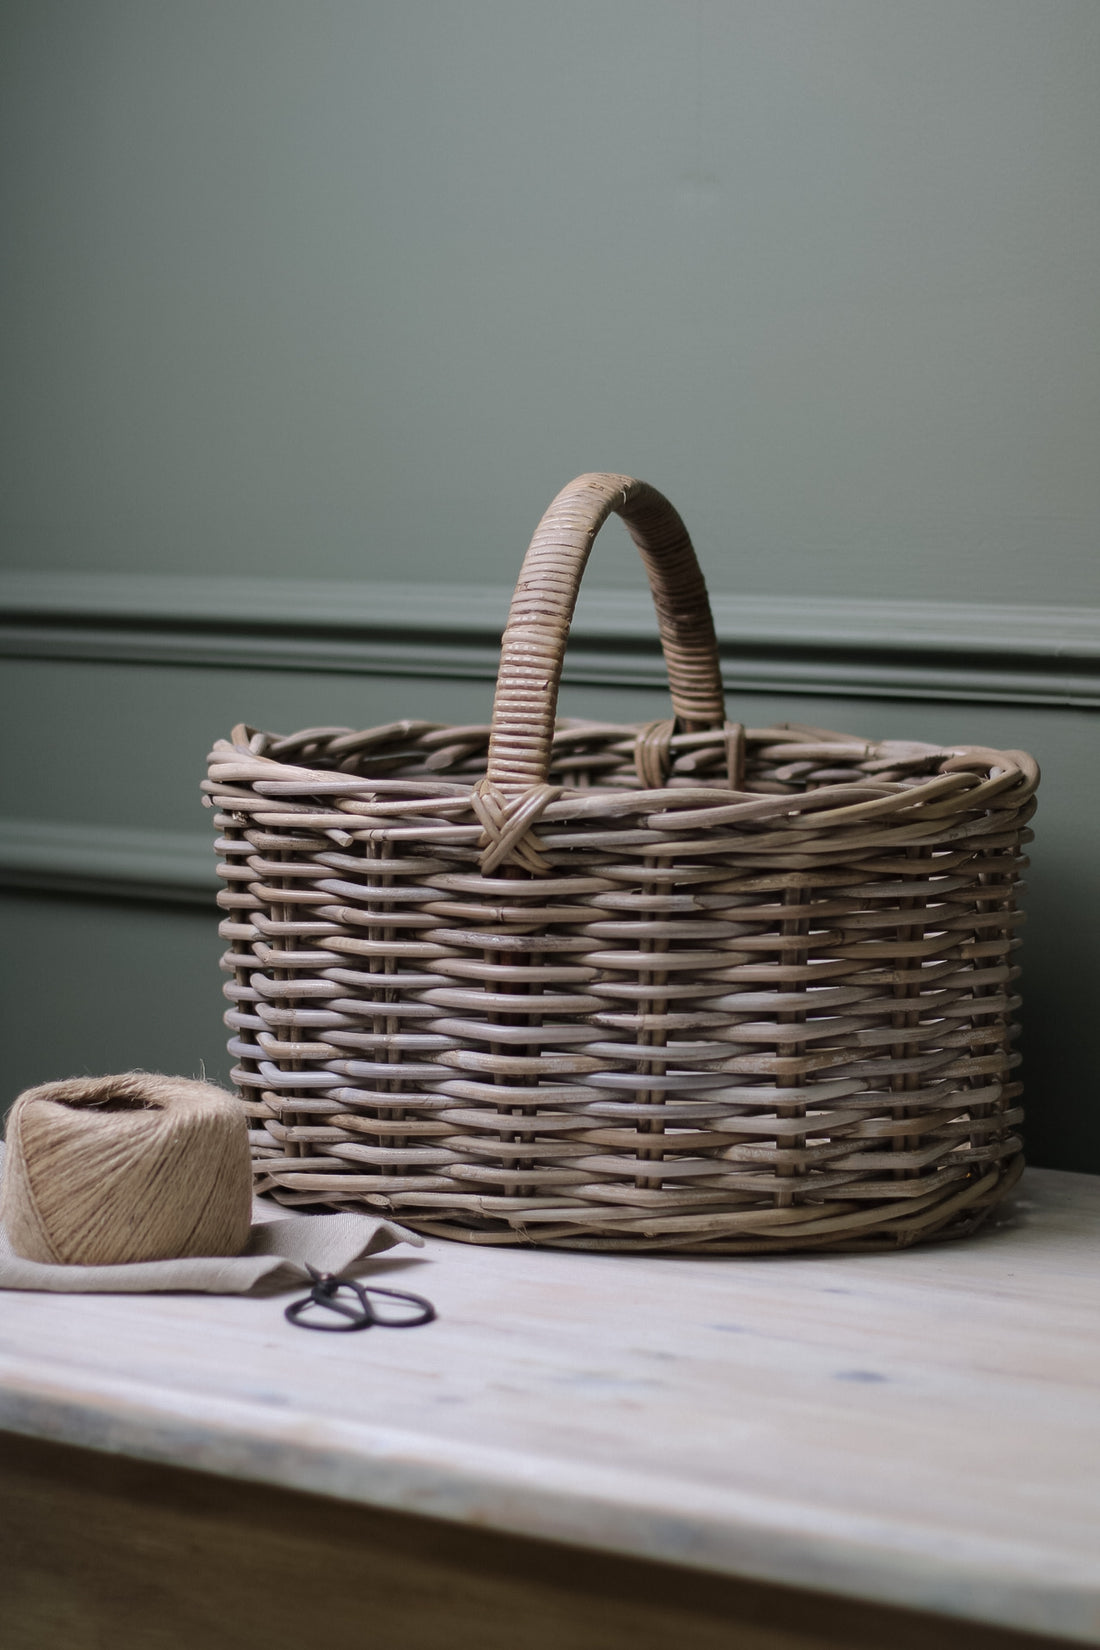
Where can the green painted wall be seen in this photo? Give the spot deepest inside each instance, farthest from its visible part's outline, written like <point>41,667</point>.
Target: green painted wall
<point>345,286</point>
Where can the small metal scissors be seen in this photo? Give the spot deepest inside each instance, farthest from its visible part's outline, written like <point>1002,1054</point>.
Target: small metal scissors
<point>326,1291</point>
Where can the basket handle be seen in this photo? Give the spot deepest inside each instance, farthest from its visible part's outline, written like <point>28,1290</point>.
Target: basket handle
<point>533,648</point>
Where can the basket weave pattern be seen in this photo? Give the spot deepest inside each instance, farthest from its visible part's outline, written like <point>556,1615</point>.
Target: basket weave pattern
<point>685,986</point>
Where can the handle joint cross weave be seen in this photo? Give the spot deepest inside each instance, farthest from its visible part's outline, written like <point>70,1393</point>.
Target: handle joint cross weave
<point>507,835</point>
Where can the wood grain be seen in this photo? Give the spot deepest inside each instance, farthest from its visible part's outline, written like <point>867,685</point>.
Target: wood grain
<point>920,1430</point>
<point>98,1551</point>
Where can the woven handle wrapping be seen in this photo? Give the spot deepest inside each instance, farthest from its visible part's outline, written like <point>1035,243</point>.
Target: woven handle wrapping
<point>533,648</point>
<point>514,792</point>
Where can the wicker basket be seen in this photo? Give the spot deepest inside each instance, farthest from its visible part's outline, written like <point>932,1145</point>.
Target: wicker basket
<point>684,986</point>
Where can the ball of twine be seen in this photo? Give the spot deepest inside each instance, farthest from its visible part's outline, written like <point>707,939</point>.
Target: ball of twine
<point>101,1171</point>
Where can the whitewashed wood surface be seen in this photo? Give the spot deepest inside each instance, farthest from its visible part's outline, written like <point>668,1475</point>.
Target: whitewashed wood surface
<point>920,1429</point>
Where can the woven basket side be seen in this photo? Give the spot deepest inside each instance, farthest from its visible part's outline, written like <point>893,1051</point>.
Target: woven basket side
<point>777,1019</point>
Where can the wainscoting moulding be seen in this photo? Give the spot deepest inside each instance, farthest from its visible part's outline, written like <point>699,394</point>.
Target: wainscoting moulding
<point>1048,656</point>
<point>107,861</point>
<point>964,652</point>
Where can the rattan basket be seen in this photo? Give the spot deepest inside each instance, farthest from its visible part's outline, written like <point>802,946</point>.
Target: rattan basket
<point>684,986</point>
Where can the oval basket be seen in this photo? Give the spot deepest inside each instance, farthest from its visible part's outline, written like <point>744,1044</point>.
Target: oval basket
<point>685,986</point>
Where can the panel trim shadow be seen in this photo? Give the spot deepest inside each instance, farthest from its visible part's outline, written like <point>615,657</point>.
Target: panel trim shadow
<point>831,646</point>
<point>164,867</point>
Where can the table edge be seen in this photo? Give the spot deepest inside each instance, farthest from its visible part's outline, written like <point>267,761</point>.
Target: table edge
<point>726,1532</point>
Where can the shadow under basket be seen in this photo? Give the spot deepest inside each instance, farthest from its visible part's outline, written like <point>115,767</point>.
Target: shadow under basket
<point>688,986</point>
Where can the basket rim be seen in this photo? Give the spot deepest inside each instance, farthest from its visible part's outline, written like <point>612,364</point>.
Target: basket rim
<point>967,778</point>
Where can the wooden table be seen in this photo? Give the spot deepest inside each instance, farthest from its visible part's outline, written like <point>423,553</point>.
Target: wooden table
<point>591,1451</point>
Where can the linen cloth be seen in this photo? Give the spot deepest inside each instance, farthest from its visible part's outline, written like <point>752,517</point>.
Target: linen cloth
<point>276,1254</point>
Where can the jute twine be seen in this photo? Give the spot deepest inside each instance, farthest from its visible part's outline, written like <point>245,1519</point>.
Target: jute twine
<point>102,1171</point>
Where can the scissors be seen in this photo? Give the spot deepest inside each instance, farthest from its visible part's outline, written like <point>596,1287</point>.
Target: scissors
<point>326,1294</point>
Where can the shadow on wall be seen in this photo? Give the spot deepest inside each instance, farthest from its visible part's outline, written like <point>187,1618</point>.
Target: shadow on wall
<point>92,986</point>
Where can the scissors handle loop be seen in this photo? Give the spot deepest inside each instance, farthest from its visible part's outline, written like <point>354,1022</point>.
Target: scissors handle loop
<point>330,1294</point>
